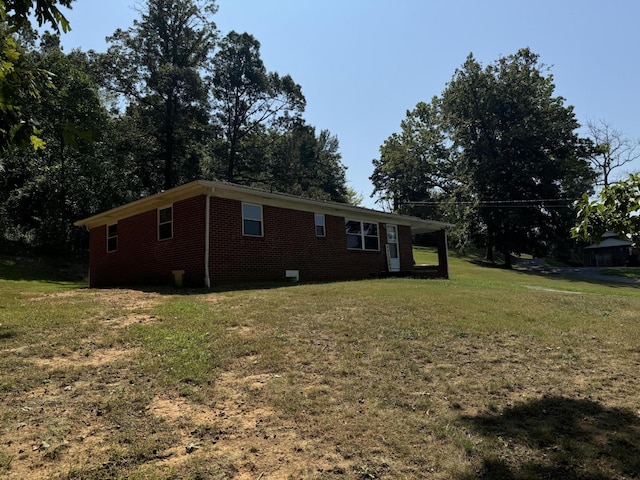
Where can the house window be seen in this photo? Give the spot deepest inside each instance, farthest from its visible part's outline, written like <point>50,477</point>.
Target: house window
<point>112,237</point>
<point>165,223</point>
<point>362,235</point>
<point>251,220</point>
<point>320,228</point>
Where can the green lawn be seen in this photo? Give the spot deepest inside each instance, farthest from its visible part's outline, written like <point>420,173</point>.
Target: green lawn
<point>492,374</point>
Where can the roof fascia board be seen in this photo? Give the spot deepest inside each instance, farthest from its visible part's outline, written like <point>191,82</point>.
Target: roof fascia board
<point>248,194</point>
<point>235,192</point>
<point>143,205</point>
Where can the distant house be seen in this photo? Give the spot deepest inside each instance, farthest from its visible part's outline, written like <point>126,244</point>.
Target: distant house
<point>610,252</point>
<point>204,233</point>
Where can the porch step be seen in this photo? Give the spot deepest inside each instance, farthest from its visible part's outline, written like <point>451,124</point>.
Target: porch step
<point>425,271</point>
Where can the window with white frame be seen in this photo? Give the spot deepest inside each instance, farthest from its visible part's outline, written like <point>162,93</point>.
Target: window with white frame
<point>320,225</point>
<point>251,220</point>
<point>112,237</point>
<point>362,235</point>
<point>165,223</point>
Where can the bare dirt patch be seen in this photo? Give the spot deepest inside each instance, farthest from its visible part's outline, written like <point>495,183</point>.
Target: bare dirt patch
<point>125,299</point>
<point>87,358</point>
<point>258,439</point>
<point>51,430</point>
<point>322,393</point>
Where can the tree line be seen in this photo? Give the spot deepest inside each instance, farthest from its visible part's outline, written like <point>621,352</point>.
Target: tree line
<point>498,155</point>
<point>168,102</point>
<point>171,100</point>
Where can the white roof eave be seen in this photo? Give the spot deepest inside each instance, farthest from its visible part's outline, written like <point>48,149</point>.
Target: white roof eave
<point>250,194</point>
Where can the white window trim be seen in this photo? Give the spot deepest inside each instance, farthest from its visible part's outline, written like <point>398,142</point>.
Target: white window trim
<point>363,236</point>
<point>109,237</point>
<point>261,220</point>
<point>158,222</point>
<point>323,224</point>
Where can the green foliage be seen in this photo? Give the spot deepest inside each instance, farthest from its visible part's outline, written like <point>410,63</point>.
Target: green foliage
<point>247,99</point>
<point>615,209</point>
<point>156,67</point>
<point>494,155</point>
<point>517,142</point>
<point>43,192</point>
<point>412,163</point>
<point>18,12</point>
<point>155,111</point>
<point>20,82</point>
<point>302,163</point>
<point>353,197</point>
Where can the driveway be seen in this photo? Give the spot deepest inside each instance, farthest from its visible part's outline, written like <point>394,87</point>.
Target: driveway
<point>539,265</point>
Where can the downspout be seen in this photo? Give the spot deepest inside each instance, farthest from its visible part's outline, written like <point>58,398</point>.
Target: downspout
<point>207,278</point>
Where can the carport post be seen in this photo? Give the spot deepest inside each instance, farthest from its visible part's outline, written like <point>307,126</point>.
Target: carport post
<point>443,254</point>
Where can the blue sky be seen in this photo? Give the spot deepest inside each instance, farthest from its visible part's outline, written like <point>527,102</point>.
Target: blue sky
<point>363,63</point>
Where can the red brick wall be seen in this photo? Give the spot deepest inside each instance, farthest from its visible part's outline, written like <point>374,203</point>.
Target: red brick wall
<point>141,258</point>
<point>289,243</point>
<point>406,248</point>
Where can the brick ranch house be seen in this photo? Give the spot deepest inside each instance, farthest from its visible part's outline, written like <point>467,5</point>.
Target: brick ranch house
<point>205,233</point>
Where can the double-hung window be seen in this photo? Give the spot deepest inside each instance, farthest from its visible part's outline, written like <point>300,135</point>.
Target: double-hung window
<point>320,225</point>
<point>362,235</point>
<point>252,220</point>
<point>165,223</point>
<point>112,237</point>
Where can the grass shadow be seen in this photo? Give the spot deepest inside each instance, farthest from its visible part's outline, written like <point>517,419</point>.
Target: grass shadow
<point>4,335</point>
<point>574,276</point>
<point>566,438</point>
<point>221,288</point>
<point>480,262</point>
<point>594,276</point>
<point>41,269</point>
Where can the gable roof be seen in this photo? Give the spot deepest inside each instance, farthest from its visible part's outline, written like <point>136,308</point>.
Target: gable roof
<point>256,195</point>
<point>609,240</point>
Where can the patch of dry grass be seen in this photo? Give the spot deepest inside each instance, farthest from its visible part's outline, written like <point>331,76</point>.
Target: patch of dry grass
<point>492,374</point>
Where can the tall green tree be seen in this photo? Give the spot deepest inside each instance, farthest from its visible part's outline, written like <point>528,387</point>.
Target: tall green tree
<point>301,162</point>
<point>246,99</point>
<point>157,66</point>
<point>43,191</point>
<point>20,82</point>
<point>517,148</point>
<point>413,164</point>
<point>416,174</point>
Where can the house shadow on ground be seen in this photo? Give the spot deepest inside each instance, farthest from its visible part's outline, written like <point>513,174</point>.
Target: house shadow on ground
<point>559,438</point>
<point>171,290</point>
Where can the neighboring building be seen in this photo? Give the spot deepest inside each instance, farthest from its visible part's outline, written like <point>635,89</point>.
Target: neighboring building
<point>205,233</point>
<point>610,252</point>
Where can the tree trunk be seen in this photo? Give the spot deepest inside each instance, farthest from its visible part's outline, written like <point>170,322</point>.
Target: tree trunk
<point>231,164</point>
<point>488,256</point>
<point>507,260</point>
<point>170,180</point>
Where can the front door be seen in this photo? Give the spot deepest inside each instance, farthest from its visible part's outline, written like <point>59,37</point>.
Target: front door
<point>393,252</point>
